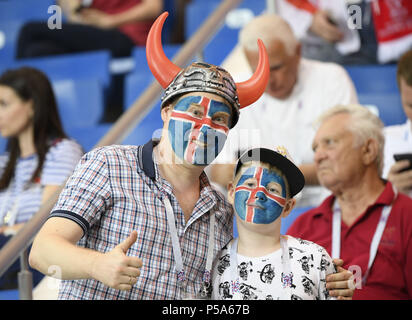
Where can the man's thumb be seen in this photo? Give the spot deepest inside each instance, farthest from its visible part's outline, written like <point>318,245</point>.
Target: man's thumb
<point>126,244</point>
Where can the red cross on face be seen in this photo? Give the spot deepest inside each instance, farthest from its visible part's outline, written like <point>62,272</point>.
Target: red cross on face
<point>253,194</point>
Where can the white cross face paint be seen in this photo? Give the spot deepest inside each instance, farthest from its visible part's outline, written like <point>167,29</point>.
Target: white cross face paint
<point>198,129</point>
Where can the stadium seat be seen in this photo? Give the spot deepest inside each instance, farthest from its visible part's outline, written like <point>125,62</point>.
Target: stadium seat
<point>135,84</point>
<point>389,106</point>
<point>374,78</point>
<point>88,137</point>
<point>80,101</point>
<point>140,60</point>
<point>150,127</point>
<point>94,64</point>
<point>226,38</point>
<point>9,31</point>
<point>25,10</point>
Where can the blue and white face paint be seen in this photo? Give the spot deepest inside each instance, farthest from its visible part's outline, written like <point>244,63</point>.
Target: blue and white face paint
<point>198,129</point>
<point>257,198</point>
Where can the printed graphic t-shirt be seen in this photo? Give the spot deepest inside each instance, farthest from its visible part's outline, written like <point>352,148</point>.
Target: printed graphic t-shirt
<point>262,278</point>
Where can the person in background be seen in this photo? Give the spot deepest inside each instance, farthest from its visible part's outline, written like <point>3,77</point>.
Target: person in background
<point>399,137</point>
<point>116,25</point>
<point>260,263</point>
<point>299,90</point>
<point>366,221</point>
<point>39,155</point>
<point>350,32</point>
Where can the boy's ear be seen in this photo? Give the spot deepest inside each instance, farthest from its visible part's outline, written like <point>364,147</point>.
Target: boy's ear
<point>290,204</point>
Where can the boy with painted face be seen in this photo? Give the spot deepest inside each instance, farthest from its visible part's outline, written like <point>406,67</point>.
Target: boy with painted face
<point>262,264</point>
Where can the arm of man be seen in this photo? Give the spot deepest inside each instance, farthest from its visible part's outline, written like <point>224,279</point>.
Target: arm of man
<point>146,10</point>
<point>55,245</point>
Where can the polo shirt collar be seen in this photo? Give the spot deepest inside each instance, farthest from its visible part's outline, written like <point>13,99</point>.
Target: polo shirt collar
<point>149,169</point>
<point>385,198</point>
<point>147,162</point>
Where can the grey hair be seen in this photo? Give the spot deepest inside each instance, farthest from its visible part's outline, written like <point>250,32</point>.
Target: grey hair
<point>268,28</point>
<point>363,124</point>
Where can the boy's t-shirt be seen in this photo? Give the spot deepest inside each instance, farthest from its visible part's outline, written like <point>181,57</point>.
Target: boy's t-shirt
<point>261,277</point>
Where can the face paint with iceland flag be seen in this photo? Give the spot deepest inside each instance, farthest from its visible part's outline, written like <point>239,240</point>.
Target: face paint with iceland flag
<point>198,129</point>
<point>255,198</point>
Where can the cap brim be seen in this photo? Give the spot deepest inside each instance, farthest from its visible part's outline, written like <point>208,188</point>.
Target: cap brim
<point>293,175</point>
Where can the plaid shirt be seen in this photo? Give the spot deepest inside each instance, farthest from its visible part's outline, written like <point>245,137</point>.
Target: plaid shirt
<point>117,189</point>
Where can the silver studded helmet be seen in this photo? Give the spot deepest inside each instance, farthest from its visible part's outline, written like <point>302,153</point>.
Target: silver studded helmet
<point>203,77</point>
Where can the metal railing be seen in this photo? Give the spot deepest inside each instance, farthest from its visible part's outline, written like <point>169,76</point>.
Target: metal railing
<point>17,246</point>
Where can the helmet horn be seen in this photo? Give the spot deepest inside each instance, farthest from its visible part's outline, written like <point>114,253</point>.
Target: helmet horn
<point>250,90</point>
<point>162,68</point>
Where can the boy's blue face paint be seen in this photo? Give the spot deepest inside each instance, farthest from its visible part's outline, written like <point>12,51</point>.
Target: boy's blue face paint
<point>193,135</point>
<point>255,200</point>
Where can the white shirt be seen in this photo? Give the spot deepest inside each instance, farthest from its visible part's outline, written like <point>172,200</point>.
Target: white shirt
<point>24,198</point>
<point>260,277</point>
<point>398,139</point>
<point>270,122</point>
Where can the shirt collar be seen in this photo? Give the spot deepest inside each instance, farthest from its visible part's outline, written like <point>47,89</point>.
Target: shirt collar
<point>385,198</point>
<point>147,163</point>
<point>150,170</point>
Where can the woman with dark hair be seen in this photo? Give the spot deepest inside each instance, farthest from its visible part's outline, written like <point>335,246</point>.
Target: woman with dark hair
<point>39,156</point>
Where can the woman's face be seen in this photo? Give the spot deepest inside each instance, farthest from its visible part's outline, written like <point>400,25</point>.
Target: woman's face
<point>15,114</point>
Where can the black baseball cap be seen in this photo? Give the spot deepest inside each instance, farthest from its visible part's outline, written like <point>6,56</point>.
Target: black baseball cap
<point>278,158</point>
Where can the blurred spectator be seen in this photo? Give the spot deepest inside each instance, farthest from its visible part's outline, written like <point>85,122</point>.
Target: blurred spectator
<point>39,155</point>
<point>116,25</point>
<point>399,137</point>
<point>350,32</point>
<point>299,90</point>
<point>365,222</point>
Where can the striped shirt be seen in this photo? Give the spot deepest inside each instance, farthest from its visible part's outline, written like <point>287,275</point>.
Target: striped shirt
<point>24,198</point>
<point>117,189</point>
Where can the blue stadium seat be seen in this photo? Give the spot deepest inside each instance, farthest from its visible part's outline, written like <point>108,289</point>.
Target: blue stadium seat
<point>389,106</point>
<point>150,127</point>
<point>140,61</point>
<point>24,10</point>
<point>80,101</point>
<point>135,84</point>
<point>9,31</point>
<point>94,64</point>
<point>374,78</point>
<point>88,137</point>
<point>226,38</point>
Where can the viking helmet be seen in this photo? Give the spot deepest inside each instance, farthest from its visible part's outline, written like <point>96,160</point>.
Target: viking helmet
<point>203,77</point>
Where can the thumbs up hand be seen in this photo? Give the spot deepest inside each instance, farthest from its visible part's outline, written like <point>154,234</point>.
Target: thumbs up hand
<point>115,269</point>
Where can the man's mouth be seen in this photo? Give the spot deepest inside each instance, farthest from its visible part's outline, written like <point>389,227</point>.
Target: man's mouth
<point>255,205</point>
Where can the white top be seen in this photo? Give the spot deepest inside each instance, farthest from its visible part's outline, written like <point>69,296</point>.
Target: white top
<point>270,122</point>
<point>261,277</point>
<point>398,139</point>
<point>25,197</point>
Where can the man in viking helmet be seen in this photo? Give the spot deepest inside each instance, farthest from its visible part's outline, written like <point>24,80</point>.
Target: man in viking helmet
<point>143,222</point>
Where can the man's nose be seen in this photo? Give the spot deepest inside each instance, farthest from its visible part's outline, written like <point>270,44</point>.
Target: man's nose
<point>260,195</point>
